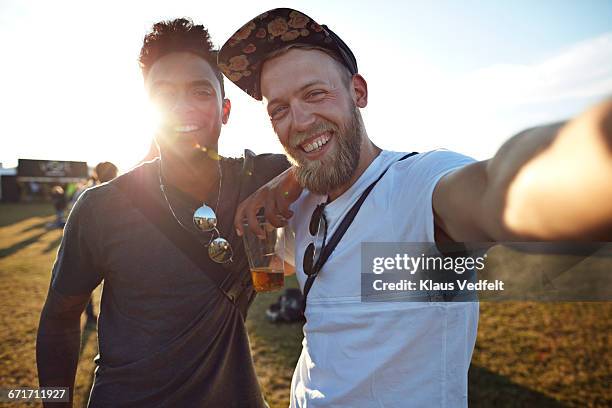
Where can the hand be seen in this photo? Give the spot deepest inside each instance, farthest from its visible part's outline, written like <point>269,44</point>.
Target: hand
<point>275,197</point>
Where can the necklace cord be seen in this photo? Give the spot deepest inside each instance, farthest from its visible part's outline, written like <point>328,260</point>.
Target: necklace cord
<point>162,187</point>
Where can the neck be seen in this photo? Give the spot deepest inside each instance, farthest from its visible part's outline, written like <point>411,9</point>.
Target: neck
<point>197,176</point>
<point>369,151</point>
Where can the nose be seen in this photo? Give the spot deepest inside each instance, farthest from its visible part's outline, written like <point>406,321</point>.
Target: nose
<point>301,118</point>
<point>181,104</point>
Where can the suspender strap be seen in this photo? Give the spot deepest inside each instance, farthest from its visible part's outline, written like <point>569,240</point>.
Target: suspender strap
<point>339,233</point>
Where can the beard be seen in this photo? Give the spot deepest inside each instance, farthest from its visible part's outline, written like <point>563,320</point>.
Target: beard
<point>337,167</point>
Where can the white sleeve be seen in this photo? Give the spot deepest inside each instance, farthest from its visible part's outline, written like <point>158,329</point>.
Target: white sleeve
<point>417,179</point>
<point>287,251</point>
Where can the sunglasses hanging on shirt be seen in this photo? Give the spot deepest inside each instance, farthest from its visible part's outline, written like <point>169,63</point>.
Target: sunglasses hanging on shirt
<point>205,219</point>
<point>317,252</point>
<point>318,229</point>
<point>219,248</point>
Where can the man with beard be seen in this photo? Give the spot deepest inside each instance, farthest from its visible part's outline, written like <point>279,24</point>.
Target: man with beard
<point>395,354</point>
<point>176,281</point>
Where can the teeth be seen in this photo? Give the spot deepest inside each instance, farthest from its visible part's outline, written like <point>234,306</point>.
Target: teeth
<point>316,144</point>
<point>186,128</point>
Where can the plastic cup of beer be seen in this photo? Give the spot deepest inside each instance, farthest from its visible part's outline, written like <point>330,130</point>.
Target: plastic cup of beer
<point>267,268</point>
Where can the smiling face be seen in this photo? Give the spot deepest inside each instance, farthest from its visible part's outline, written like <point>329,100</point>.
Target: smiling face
<point>313,105</point>
<point>187,93</point>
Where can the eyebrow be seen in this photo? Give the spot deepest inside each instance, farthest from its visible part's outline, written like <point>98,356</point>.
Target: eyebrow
<point>200,82</point>
<point>302,88</point>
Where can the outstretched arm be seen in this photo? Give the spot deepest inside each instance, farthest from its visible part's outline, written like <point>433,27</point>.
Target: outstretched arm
<point>547,183</point>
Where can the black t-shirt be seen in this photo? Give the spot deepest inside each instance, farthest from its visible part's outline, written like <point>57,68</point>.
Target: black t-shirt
<point>167,335</point>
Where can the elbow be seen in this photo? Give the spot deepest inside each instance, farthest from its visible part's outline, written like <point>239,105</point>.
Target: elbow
<point>54,325</point>
<point>59,316</point>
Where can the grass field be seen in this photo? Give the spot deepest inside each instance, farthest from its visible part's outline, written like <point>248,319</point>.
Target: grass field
<point>527,354</point>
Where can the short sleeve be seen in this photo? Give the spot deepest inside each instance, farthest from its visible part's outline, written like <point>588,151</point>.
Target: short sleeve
<point>418,178</point>
<point>287,253</point>
<point>77,269</point>
<point>268,166</point>
<point>259,170</point>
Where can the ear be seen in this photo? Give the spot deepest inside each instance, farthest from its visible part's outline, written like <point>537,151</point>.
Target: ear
<point>360,90</point>
<point>227,107</point>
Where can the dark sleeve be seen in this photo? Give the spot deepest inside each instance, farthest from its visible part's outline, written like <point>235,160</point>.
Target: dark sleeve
<point>77,268</point>
<point>268,165</point>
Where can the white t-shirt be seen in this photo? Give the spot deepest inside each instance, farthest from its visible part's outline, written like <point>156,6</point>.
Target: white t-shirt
<point>389,354</point>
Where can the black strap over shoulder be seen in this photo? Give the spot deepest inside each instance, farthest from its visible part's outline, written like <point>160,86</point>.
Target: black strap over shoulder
<point>150,206</point>
<point>339,233</point>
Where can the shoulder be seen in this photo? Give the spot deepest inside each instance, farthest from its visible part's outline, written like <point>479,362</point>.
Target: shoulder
<point>106,196</point>
<point>414,179</point>
<point>428,166</point>
<point>434,159</point>
<point>272,160</point>
<point>143,174</point>
<point>266,165</point>
<point>257,170</point>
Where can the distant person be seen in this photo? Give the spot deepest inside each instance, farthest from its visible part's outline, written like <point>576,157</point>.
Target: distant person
<point>83,185</point>
<point>34,191</point>
<point>70,190</point>
<point>58,198</point>
<point>103,172</point>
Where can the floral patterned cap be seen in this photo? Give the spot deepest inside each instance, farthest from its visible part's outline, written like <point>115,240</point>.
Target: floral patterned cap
<point>241,56</point>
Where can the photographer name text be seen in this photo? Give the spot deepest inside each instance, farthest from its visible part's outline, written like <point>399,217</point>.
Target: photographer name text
<point>428,284</point>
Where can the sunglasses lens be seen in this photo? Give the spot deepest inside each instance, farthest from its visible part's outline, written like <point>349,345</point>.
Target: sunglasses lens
<point>313,227</point>
<point>220,250</point>
<point>308,259</point>
<point>205,219</point>
<point>319,237</point>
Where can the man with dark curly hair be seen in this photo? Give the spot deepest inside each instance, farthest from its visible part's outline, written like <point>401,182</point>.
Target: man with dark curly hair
<point>176,281</point>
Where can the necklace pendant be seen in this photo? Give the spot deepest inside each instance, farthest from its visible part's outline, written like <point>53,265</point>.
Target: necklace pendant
<point>220,250</point>
<point>205,218</point>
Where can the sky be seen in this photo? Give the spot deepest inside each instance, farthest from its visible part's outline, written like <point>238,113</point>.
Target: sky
<point>462,75</point>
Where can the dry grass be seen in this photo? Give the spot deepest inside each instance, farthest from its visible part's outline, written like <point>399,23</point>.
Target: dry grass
<point>275,349</point>
<point>542,354</point>
<point>27,251</point>
<point>527,354</point>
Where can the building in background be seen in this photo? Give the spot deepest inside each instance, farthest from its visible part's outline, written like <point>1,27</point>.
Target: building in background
<point>9,190</point>
<point>34,179</point>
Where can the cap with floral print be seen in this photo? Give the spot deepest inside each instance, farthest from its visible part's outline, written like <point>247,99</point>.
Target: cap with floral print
<point>241,56</point>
